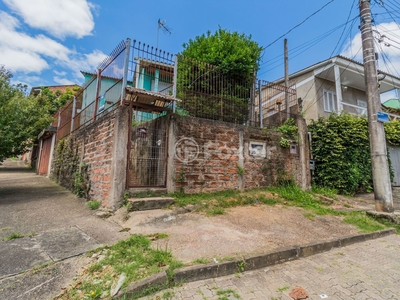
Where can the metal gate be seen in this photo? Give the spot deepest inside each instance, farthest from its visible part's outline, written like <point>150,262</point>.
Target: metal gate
<point>394,153</point>
<point>148,154</point>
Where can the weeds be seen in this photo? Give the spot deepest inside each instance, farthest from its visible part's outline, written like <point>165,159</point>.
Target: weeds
<point>363,222</point>
<point>227,294</point>
<point>93,204</point>
<point>283,289</point>
<point>133,257</point>
<point>18,235</point>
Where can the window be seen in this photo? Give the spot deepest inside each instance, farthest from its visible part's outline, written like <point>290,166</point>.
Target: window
<point>329,101</point>
<point>363,110</point>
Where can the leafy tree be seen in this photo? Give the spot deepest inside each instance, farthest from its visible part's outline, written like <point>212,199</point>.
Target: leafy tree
<point>21,117</point>
<point>215,73</point>
<point>236,55</point>
<point>57,99</point>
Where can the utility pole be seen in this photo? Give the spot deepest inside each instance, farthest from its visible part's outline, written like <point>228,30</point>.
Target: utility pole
<point>287,80</point>
<point>380,166</point>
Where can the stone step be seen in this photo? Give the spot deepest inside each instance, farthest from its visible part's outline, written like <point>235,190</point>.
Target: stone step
<point>150,203</point>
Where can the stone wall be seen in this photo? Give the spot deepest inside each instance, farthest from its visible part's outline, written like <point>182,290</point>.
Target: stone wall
<point>212,156</point>
<point>98,148</point>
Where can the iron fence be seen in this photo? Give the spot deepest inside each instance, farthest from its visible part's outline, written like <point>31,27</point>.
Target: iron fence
<point>207,92</point>
<point>273,104</point>
<point>203,90</point>
<point>101,93</point>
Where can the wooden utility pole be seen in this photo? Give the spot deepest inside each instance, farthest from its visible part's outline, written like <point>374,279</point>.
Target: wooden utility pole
<point>380,166</point>
<point>287,80</point>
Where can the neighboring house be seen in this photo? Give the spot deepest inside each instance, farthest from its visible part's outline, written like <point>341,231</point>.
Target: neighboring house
<point>42,152</point>
<point>148,75</point>
<point>36,90</point>
<point>333,85</point>
<point>392,103</point>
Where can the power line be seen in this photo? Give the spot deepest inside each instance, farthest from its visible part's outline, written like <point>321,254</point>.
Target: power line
<point>302,22</point>
<point>296,51</point>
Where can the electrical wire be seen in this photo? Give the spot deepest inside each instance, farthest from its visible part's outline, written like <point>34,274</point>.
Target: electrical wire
<point>298,25</point>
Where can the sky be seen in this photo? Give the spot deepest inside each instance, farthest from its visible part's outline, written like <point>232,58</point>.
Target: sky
<point>48,42</point>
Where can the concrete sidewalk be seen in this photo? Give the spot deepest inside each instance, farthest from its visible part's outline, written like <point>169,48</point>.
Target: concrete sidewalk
<point>56,224</point>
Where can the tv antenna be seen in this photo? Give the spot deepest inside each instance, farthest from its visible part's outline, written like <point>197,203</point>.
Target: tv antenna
<point>165,29</point>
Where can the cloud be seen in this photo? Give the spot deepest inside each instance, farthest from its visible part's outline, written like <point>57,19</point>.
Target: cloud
<point>60,18</point>
<point>387,45</point>
<point>63,81</point>
<point>21,52</point>
<point>60,73</point>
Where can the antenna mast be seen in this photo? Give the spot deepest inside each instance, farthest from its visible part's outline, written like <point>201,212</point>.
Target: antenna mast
<point>162,25</point>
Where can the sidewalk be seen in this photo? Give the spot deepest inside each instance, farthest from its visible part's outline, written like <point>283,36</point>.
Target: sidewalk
<point>368,270</point>
<point>56,224</point>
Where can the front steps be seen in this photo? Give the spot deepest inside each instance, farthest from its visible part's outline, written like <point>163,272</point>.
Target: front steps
<point>149,203</point>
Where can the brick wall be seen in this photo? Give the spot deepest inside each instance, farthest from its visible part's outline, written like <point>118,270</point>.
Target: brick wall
<point>213,156</point>
<point>95,146</point>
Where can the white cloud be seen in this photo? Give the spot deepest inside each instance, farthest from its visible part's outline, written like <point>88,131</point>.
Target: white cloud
<point>60,73</point>
<point>30,79</point>
<point>388,48</point>
<point>21,52</point>
<point>63,81</point>
<point>59,18</point>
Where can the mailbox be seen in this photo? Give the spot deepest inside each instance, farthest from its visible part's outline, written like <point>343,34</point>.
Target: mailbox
<point>257,149</point>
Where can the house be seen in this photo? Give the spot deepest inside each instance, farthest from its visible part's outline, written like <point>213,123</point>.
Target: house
<point>333,85</point>
<point>148,75</point>
<point>392,103</point>
<point>40,155</point>
<point>36,90</point>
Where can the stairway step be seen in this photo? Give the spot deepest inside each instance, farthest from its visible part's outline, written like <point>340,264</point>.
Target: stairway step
<point>150,203</point>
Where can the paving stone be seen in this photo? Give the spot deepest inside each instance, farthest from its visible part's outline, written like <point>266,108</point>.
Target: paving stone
<point>368,270</point>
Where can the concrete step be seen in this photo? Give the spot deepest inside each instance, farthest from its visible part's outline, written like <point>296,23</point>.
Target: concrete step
<point>139,204</point>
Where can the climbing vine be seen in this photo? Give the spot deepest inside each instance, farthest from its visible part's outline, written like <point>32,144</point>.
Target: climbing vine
<point>340,145</point>
<point>67,171</point>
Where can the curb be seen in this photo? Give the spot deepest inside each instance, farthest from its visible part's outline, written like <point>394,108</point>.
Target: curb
<point>213,270</point>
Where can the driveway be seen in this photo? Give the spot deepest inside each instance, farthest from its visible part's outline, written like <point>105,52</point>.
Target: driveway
<point>56,225</point>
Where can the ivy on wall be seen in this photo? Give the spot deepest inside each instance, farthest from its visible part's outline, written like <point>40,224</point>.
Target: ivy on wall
<point>67,171</point>
<point>340,146</point>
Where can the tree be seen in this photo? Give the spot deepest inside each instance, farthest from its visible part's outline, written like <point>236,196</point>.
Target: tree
<point>215,74</point>
<point>57,99</point>
<point>21,117</point>
<point>236,55</point>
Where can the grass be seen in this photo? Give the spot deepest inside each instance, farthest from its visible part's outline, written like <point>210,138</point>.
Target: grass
<point>136,259</point>
<point>93,204</point>
<point>201,261</point>
<point>133,257</point>
<point>289,195</point>
<point>17,235</point>
<point>283,289</point>
<point>227,294</point>
<point>217,203</point>
<point>363,222</point>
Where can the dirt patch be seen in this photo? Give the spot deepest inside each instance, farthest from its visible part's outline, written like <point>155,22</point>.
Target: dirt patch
<point>242,231</point>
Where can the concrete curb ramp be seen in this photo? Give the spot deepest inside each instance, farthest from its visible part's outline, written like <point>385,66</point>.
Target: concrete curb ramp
<point>213,270</point>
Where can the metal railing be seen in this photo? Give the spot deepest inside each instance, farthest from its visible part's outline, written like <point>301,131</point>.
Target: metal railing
<point>203,90</point>
<point>273,104</point>
<point>101,92</point>
<point>207,92</point>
